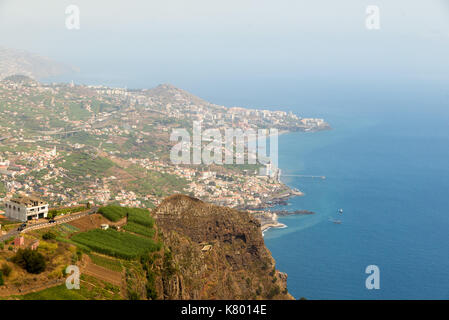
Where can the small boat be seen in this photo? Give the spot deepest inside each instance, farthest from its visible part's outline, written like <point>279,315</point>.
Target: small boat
<point>335,221</point>
<point>341,211</point>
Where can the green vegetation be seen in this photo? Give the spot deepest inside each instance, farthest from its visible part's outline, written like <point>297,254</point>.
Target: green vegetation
<point>169,268</point>
<point>154,182</point>
<point>49,235</point>
<point>107,263</point>
<point>83,138</point>
<point>2,189</point>
<point>99,106</point>
<point>274,291</point>
<point>141,217</point>
<point>82,248</point>
<point>2,282</point>
<point>117,244</point>
<point>76,111</point>
<point>113,213</point>
<point>56,293</point>
<point>137,215</point>
<point>139,220</point>
<point>56,212</point>
<point>66,229</point>
<point>90,289</point>
<point>147,263</point>
<point>139,229</point>
<point>82,164</point>
<point>30,260</point>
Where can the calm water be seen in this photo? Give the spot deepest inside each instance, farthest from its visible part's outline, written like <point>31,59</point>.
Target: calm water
<point>389,172</point>
<point>386,164</point>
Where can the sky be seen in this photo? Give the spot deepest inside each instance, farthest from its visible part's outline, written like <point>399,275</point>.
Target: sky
<point>238,47</point>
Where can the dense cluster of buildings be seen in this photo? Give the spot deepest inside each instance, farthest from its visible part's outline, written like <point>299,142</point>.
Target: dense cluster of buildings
<point>40,117</point>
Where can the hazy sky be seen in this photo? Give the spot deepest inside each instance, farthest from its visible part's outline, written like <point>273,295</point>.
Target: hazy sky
<point>211,43</point>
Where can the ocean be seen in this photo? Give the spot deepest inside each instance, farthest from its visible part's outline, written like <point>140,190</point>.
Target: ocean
<point>387,168</point>
<point>386,165</point>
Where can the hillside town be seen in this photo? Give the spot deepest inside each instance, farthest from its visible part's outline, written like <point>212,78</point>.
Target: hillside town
<point>74,144</point>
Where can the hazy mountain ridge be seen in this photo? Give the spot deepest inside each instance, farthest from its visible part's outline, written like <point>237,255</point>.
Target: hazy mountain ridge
<point>14,62</point>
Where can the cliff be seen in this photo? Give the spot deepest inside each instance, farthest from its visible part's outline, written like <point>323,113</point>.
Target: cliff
<point>214,253</point>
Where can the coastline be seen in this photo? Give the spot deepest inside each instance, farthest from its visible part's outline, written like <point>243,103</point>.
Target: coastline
<point>269,226</point>
<point>269,219</point>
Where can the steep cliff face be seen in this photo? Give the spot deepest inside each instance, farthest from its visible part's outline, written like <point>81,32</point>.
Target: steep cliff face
<point>214,253</point>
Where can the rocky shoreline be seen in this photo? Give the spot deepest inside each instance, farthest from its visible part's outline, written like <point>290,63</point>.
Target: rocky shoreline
<point>269,219</point>
<point>274,200</point>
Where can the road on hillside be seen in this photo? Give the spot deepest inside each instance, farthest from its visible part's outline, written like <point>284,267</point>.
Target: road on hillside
<point>60,220</point>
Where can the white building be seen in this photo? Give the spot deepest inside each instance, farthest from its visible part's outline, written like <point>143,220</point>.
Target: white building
<point>26,208</point>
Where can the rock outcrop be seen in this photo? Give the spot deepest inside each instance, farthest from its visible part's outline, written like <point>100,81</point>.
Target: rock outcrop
<point>214,253</point>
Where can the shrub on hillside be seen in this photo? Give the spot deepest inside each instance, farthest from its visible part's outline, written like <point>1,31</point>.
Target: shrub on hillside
<point>49,235</point>
<point>274,291</point>
<point>30,260</point>
<point>6,270</point>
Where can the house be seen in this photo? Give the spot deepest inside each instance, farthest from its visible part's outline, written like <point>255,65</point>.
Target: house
<point>105,226</point>
<point>26,208</point>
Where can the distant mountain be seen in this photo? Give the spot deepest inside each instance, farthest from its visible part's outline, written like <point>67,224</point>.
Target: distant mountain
<point>18,62</point>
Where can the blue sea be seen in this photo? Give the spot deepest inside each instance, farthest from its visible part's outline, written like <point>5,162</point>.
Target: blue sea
<point>386,163</point>
<point>387,168</point>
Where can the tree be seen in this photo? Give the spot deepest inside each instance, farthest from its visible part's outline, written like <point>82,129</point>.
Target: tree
<point>1,279</point>
<point>30,260</point>
<point>6,270</point>
<point>49,236</point>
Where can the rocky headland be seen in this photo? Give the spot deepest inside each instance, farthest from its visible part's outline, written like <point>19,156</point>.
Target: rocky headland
<point>217,253</point>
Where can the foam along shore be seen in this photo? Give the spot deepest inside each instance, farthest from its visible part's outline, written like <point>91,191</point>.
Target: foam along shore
<point>267,226</point>
<point>269,219</point>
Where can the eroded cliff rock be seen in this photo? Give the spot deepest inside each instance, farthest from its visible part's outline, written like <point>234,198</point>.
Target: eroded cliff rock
<point>214,253</point>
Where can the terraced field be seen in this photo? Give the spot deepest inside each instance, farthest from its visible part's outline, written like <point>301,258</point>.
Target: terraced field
<point>139,229</point>
<point>91,288</point>
<point>116,244</point>
<point>137,215</point>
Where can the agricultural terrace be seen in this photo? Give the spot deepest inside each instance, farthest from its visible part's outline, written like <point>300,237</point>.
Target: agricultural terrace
<point>116,244</point>
<point>135,215</point>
